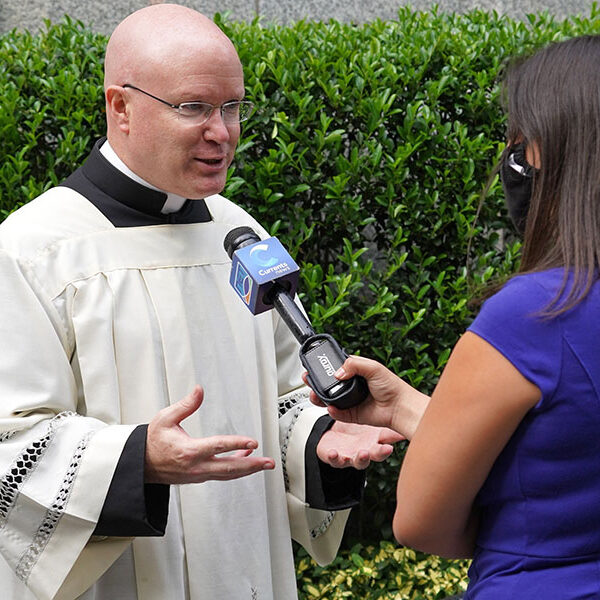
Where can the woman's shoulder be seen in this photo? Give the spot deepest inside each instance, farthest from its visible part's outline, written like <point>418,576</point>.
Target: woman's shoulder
<point>525,294</point>
<point>530,294</point>
<point>513,317</point>
<point>512,322</point>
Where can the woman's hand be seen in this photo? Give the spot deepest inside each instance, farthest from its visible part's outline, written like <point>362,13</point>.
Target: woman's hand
<point>391,402</point>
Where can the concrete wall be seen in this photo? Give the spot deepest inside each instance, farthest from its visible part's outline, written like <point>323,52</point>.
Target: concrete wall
<point>103,15</point>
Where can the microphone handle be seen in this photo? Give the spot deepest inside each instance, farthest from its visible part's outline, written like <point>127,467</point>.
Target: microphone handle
<point>290,313</point>
<point>320,354</point>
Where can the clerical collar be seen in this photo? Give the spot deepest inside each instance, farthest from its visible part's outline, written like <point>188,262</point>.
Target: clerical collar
<point>173,203</point>
<point>124,200</point>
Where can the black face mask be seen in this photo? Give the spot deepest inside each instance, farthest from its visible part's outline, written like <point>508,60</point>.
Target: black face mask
<point>517,180</point>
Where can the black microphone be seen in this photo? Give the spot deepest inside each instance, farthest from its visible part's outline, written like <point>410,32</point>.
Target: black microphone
<point>265,276</point>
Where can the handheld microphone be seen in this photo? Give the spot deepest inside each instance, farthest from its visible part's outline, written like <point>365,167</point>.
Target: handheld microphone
<point>264,276</point>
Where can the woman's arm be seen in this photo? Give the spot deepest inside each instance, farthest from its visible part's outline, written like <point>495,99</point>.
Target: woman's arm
<point>477,405</point>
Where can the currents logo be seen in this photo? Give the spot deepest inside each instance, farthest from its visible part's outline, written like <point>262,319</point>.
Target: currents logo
<point>261,255</point>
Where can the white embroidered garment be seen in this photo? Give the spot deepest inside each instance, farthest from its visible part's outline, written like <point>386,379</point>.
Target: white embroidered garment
<point>101,327</point>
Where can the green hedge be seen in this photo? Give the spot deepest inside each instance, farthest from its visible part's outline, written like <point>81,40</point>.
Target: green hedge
<point>380,572</point>
<point>367,158</point>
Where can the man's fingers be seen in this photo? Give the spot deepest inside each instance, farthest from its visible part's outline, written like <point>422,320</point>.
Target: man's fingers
<point>234,467</point>
<point>218,444</point>
<point>182,459</point>
<point>174,414</point>
<point>381,452</point>
<point>242,453</point>
<point>362,459</point>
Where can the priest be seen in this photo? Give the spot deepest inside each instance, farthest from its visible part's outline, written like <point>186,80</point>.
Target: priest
<point>156,439</point>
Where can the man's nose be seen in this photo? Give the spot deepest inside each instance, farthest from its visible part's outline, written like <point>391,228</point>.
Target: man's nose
<point>215,127</point>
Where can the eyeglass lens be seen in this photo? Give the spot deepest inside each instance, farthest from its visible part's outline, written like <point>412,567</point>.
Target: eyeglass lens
<point>231,112</point>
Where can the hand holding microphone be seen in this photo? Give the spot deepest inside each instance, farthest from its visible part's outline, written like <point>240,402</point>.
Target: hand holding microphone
<point>264,276</point>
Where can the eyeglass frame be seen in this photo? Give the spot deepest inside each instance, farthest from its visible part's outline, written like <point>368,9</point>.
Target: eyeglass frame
<point>177,107</point>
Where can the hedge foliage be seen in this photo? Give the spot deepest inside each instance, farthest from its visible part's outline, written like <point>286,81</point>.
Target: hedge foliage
<point>367,157</point>
<point>380,572</point>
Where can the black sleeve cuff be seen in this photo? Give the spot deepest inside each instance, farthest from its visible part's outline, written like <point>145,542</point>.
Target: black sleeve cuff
<point>133,508</point>
<point>329,488</point>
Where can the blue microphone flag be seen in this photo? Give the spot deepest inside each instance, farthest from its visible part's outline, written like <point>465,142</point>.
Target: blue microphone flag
<point>256,267</point>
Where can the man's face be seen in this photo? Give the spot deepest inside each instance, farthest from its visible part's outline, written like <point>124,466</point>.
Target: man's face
<point>173,153</point>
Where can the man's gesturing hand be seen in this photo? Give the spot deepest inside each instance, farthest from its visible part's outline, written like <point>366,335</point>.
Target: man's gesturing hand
<point>352,445</point>
<point>172,456</point>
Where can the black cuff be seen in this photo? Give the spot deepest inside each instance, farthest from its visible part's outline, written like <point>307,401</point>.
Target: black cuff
<point>131,507</point>
<point>329,488</point>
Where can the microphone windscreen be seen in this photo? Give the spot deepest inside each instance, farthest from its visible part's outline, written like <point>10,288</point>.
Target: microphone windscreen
<point>238,238</point>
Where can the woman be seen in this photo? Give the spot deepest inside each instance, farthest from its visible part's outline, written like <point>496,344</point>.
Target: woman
<point>504,465</point>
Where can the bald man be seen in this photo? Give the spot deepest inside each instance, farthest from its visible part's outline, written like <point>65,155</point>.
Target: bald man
<point>115,308</point>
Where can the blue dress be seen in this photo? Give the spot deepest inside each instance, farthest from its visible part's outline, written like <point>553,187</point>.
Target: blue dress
<point>539,536</point>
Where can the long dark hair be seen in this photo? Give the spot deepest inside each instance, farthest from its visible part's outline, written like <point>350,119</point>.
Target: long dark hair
<point>553,102</point>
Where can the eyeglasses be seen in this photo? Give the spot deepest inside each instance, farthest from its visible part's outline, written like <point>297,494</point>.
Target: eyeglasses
<point>198,113</point>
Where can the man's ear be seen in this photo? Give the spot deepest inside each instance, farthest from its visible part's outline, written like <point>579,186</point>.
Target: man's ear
<point>116,107</point>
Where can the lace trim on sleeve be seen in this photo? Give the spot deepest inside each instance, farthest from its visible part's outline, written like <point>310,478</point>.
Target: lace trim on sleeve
<point>7,435</point>
<point>322,527</point>
<point>292,401</point>
<point>24,465</point>
<point>290,407</point>
<point>53,514</point>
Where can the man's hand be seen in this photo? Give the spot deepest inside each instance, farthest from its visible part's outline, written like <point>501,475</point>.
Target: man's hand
<point>172,456</point>
<point>351,445</point>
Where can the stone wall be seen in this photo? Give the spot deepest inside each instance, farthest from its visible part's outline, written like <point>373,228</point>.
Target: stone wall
<point>103,15</point>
